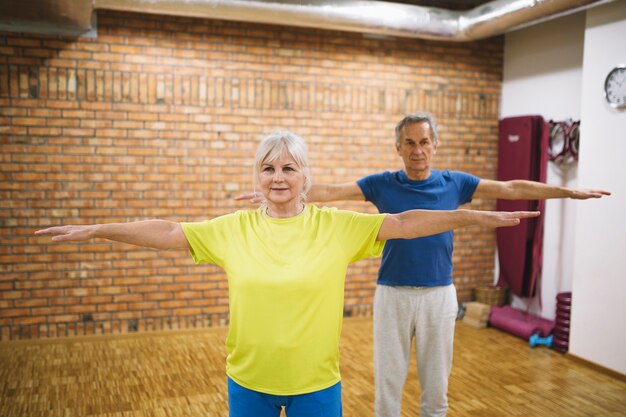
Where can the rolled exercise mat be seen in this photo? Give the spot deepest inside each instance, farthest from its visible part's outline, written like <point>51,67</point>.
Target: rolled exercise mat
<point>522,154</point>
<point>519,323</point>
<point>561,331</point>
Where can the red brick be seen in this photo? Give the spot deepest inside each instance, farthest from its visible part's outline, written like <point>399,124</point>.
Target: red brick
<point>25,321</point>
<point>117,133</point>
<point>63,318</point>
<point>13,312</point>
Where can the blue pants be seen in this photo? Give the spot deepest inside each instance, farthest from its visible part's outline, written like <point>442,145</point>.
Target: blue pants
<point>243,402</point>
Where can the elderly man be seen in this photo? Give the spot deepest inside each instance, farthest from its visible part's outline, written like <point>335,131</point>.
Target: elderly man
<point>415,297</point>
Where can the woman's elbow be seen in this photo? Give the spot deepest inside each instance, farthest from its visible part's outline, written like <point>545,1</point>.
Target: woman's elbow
<point>393,227</point>
<point>176,239</point>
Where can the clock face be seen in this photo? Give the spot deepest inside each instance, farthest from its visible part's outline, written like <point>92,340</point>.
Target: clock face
<point>615,87</point>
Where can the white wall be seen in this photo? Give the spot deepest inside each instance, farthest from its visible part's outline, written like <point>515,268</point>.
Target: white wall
<point>557,70</point>
<point>598,329</point>
<point>543,75</point>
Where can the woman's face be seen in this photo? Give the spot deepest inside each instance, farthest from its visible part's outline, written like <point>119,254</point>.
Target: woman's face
<point>282,180</point>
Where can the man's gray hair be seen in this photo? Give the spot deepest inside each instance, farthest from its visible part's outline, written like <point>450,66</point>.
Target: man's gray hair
<point>417,117</point>
<point>273,145</point>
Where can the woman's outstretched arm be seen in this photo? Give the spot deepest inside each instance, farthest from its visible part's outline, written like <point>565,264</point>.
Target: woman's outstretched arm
<point>158,234</point>
<point>418,223</point>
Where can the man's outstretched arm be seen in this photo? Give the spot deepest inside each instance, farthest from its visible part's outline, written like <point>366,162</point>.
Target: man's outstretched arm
<point>333,192</point>
<point>319,193</point>
<point>531,190</point>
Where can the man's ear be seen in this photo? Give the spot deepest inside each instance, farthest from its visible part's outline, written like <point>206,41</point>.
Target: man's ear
<point>398,148</point>
<point>435,145</point>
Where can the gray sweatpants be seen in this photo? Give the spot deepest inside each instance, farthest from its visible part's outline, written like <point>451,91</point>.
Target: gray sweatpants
<point>427,314</point>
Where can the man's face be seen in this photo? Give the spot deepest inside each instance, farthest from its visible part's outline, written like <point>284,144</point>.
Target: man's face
<point>417,149</point>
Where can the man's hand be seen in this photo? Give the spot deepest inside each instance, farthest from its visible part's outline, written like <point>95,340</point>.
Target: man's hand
<point>585,194</point>
<point>254,197</point>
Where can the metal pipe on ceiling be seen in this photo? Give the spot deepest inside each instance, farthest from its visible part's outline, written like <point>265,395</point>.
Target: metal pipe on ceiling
<point>372,17</point>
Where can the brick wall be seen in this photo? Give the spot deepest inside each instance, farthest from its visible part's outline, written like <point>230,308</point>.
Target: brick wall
<point>159,117</point>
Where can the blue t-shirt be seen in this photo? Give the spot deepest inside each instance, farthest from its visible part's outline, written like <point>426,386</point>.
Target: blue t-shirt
<point>425,261</point>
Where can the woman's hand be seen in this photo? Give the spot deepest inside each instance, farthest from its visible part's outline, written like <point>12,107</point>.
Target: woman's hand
<point>504,218</point>
<point>69,233</point>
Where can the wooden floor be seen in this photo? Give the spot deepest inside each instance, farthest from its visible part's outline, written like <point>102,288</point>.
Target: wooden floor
<point>182,374</point>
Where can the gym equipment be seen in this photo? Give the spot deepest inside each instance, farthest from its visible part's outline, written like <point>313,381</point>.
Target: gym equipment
<point>564,141</point>
<point>535,340</point>
<point>522,154</point>
<point>561,330</point>
<point>520,323</point>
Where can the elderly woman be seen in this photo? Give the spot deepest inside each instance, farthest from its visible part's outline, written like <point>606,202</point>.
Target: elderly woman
<point>286,263</point>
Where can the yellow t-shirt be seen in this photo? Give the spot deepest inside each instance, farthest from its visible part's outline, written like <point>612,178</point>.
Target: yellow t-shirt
<point>286,282</point>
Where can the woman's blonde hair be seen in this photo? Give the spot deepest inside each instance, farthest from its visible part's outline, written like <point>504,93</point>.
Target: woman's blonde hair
<point>271,148</point>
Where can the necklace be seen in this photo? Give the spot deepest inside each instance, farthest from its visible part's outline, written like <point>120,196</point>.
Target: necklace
<point>267,213</point>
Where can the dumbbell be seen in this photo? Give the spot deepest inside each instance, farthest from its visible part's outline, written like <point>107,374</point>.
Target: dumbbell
<point>535,340</point>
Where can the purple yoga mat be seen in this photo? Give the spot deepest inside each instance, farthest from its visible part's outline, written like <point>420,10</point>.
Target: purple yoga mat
<point>519,323</point>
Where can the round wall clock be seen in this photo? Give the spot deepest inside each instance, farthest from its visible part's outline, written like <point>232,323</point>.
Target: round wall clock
<point>615,87</point>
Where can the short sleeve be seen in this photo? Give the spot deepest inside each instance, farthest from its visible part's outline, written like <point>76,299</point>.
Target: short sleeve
<point>208,240</point>
<point>358,232</point>
<point>370,185</point>
<point>466,185</point>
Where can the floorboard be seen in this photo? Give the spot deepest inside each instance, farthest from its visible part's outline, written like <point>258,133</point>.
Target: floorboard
<point>181,373</point>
